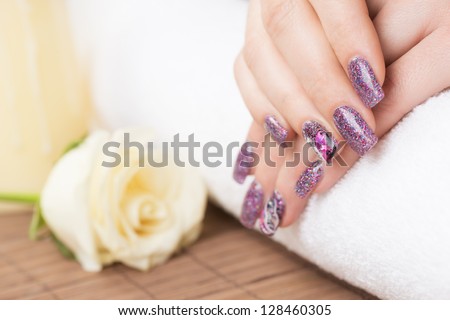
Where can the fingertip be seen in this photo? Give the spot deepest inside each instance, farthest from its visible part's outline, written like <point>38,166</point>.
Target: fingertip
<point>293,209</point>
<point>296,184</point>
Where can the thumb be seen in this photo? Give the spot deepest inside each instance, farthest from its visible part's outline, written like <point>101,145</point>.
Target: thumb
<point>419,74</point>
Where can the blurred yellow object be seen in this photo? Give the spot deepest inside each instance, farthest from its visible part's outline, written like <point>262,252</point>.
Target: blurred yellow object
<point>44,101</point>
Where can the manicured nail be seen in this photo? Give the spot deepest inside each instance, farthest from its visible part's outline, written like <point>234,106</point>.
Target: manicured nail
<point>364,81</point>
<point>323,142</point>
<point>242,166</point>
<point>309,179</point>
<point>276,130</point>
<point>272,214</point>
<point>354,129</point>
<point>253,205</point>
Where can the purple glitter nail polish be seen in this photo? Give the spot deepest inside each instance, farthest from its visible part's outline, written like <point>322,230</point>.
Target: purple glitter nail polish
<point>323,142</point>
<point>364,81</point>
<point>309,179</point>
<point>241,166</point>
<point>276,130</point>
<point>354,129</point>
<point>272,214</point>
<point>253,205</point>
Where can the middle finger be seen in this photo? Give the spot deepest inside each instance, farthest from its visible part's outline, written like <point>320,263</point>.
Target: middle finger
<point>297,33</point>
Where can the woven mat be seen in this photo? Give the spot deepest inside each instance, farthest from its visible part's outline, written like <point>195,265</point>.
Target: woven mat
<point>228,262</point>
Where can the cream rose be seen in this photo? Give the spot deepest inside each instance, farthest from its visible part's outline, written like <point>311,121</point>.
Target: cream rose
<point>135,215</point>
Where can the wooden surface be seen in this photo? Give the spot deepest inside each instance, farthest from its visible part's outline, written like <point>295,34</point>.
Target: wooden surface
<point>228,262</point>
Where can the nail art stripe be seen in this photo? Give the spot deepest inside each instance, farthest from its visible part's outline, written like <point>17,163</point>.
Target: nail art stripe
<point>364,81</point>
<point>241,171</point>
<point>323,142</point>
<point>253,205</point>
<point>354,129</point>
<point>272,214</point>
<point>309,179</point>
<point>276,130</point>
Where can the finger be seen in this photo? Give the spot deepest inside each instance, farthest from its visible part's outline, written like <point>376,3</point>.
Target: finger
<point>282,88</point>
<point>320,73</point>
<point>261,109</point>
<point>298,177</point>
<point>400,27</point>
<point>375,6</point>
<point>249,153</point>
<point>271,158</point>
<point>352,36</point>
<point>421,73</point>
<point>416,76</point>
<point>266,171</point>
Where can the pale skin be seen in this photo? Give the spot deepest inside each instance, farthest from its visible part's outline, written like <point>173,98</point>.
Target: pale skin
<point>294,65</point>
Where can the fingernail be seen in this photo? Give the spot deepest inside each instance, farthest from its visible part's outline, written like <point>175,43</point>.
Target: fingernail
<point>364,81</point>
<point>272,214</point>
<point>253,205</point>
<point>276,130</point>
<point>309,179</point>
<point>354,129</point>
<point>242,165</point>
<point>323,142</point>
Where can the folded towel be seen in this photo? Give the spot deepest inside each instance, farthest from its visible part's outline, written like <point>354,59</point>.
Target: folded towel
<point>168,64</point>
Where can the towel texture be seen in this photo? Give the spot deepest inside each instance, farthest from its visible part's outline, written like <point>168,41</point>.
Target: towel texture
<point>168,64</point>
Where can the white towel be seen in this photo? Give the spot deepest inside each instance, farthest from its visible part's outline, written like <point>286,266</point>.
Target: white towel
<point>385,227</point>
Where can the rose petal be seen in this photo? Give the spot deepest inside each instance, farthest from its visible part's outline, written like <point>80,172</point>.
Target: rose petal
<point>64,201</point>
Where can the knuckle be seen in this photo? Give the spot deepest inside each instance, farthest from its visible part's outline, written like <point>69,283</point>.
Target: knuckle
<point>288,105</point>
<point>340,29</point>
<point>316,84</point>
<point>277,15</point>
<point>251,48</point>
<point>237,67</point>
<point>289,99</point>
<point>395,89</point>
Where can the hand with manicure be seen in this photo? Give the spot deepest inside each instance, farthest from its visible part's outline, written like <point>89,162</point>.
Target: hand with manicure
<point>310,73</point>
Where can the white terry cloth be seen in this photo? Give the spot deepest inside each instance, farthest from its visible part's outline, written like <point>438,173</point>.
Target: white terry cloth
<point>385,227</point>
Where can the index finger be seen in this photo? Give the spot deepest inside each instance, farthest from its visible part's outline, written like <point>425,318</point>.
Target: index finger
<point>353,37</point>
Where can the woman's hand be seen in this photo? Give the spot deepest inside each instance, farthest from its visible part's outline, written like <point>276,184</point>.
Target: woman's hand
<point>293,68</point>
<point>301,61</point>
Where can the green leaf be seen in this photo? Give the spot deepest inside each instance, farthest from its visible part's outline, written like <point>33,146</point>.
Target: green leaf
<point>66,252</point>
<point>37,223</point>
<point>74,144</point>
<point>27,198</point>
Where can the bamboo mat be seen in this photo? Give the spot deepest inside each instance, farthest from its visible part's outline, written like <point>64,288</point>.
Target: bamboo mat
<point>228,262</point>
